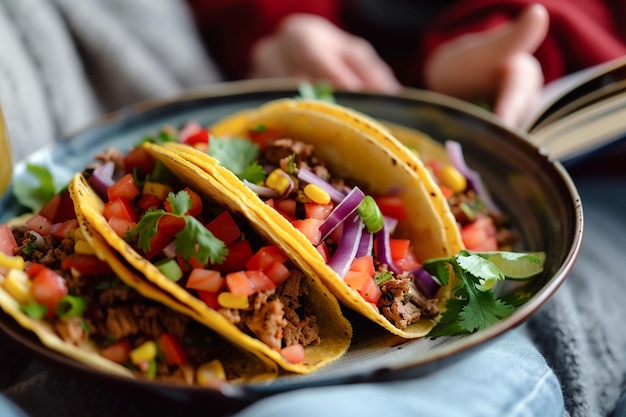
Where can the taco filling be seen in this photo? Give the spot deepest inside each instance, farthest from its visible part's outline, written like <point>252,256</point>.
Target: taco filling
<point>53,272</point>
<point>352,231</point>
<point>213,253</point>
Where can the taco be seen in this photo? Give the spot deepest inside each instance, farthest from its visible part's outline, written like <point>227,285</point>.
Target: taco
<point>98,310</point>
<point>334,187</point>
<point>195,240</point>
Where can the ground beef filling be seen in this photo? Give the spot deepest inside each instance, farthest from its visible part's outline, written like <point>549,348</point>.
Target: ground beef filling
<point>280,317</point>
<point>116,311</point>
<point>401,303</point>
<point>464,206</point>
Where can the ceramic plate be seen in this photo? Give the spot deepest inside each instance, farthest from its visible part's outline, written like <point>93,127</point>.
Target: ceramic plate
<point>535,192</point>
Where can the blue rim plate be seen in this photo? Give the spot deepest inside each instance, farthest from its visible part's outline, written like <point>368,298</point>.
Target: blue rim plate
<point>537,194</point>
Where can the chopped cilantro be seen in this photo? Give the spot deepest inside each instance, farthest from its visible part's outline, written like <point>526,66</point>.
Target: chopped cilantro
<point>474,305</point>
<point>382,276</point>
<point>193,241</point>
<point>321,91</point>
<point>238,155</point>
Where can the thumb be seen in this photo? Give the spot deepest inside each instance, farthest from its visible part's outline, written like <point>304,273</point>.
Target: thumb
<point>525,34</point>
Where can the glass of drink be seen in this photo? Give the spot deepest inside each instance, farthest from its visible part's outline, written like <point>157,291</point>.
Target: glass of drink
<point>6,164</point>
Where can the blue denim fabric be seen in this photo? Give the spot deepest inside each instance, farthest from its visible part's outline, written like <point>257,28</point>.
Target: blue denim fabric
<point>508,377</point>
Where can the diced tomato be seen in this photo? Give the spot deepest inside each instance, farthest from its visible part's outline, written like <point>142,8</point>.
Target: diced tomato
<point>224,227</point>
<point>65,209</point>
<point>446,191</point>
<point>364,284</point>
<point>371,292</point>
<point>39,224</point>
<point>86,264</point>
<point>199,137</point>
<point>49,210</point>
<point>407,264</point>
<point>119,207</point>
<point>47,289</point>
<point>120,226</point>
<point>196,203</point>
<point>33,268</point>
<point>322,249</point>
<point>173,351</point>
<point>310,228</point>
<point>205,280</point>
<point>8,244</point>
<point>260,281</point>
<point>364,264</point>
<point>188,264</point>
<point>277,272</point>
<point>238,254</point>
<point>480,235</point>
<point>167,228</point>
<point>123,188</point>
<point>147,201</point>
<point>356,279</point>
<point>264,257</point>
<point>318,211</point>
<point>209,298</point>
<point>63,230</point>
<point>294,353</point>
<point>399,248</point>
<point>392,206</point>
<point>270,202</point>
<point>239,284</point>
<point>141,158</point>
<point>286,207</point>
<point>117,352</point>
<point>263,135</point>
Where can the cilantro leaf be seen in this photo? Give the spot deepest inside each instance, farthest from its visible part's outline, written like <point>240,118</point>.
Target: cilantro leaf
<point>180,203</point>
<point>473,305</point>
<point>321,91</point>
<point>482,309</point>
<point>194,240</point>
<point>235,154</point>
<point>253,173</point>
<point>147,228</point>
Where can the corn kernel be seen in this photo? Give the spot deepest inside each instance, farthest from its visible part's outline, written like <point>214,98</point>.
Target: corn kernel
<point>278,180</point>
<point>79,234</point>
<point>82,247</point>
<point>144,352</point>
<point>207,373</point>
<point>18,285</point>
<point>230,300</point>
<point>316,194</point>
<point>157,189</point>
<point>11,262</point>
<point>452,178</point>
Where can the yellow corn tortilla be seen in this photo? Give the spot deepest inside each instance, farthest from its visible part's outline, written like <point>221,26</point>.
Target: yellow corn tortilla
<point>335,330</point>
<point>357,147</point>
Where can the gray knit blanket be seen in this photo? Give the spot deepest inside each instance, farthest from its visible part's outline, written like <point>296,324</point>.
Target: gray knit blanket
<point>63,63</point>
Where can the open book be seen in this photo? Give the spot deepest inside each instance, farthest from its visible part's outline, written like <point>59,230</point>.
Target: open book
<point>581,113</point>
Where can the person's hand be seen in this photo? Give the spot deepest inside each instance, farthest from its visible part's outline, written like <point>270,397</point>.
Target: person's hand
<point>312,48</point>
<point>496,66</point>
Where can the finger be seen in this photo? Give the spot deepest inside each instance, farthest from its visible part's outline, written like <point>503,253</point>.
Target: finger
<point>374,73</point>
<point>267,60</point>
<point>525,34</point>
<point>520,86</point>
<point>327,65</point>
